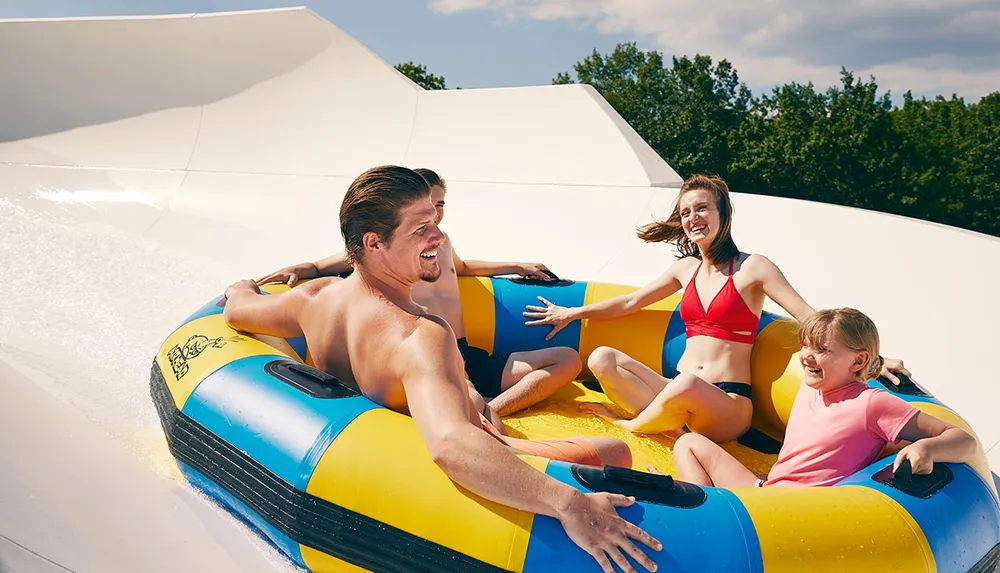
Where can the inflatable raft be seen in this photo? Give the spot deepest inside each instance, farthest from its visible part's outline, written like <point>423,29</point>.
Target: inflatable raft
<point>337,482</point>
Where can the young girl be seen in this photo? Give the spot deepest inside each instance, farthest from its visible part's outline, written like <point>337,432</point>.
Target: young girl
<point>838,424</point>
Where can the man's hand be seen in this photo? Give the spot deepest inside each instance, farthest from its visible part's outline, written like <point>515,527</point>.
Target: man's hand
<point>291,275</point>
<point>247,311</point>
<point>246,285</point>
<point>593,523</point>
<point>891,365</point>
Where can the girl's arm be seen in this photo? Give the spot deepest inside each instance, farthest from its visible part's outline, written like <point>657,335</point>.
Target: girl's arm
<point>934,440</point>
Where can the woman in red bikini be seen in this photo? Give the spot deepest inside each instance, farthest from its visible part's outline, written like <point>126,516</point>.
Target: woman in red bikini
<point>724,292</point>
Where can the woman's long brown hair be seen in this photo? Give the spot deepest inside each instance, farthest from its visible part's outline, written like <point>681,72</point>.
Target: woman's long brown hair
<point>722,249</point>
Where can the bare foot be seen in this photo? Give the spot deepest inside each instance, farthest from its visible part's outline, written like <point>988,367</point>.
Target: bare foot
<point>599,409</point>
<point>676,434</point>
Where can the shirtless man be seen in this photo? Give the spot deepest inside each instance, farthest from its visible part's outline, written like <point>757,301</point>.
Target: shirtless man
<point>367,329</point>
<point>511,382</point>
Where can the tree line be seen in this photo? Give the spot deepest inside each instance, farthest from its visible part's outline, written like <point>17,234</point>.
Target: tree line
<point>932,159</point>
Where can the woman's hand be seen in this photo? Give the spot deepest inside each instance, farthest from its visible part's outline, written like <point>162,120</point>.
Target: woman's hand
<point>552,314</point>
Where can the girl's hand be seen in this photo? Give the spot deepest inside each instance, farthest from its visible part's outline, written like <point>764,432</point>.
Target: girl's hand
<point>919,454</point>
<point>891,365</point>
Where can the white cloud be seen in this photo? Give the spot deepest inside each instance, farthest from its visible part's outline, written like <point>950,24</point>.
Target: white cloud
<point>923,45</point>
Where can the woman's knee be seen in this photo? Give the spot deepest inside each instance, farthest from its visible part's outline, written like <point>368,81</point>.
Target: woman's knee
<point>602,360</point>
<point>686,385</point>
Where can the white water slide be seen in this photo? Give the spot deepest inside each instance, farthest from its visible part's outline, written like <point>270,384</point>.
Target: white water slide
<point>147,163</point>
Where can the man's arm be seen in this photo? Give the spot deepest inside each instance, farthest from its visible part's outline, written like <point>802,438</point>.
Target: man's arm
<point>429,365</point>
<point>275,315</point>
<point>333,265</point>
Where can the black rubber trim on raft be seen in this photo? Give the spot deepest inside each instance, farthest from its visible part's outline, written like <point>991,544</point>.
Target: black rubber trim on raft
<point>647,487</point>
<point>906,386</point>
<point>990,563</point>
<point>306,519</point>
<point>757,440</point>
<point>923,486</point>
<point>309,380</point>
<point>552,281</point>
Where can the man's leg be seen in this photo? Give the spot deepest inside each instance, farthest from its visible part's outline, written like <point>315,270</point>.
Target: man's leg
<point>612,451</point>
<point>530,377</point>
<point>700,460</point>
<point>592,451</point>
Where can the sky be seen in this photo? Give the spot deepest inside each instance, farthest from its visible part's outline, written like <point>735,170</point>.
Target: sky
<point>927,46</point>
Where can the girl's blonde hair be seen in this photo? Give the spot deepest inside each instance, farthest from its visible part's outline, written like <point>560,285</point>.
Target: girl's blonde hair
<point>852,328</point>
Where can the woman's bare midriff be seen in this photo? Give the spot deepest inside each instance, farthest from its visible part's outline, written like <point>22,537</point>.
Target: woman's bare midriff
<point>715,360</point>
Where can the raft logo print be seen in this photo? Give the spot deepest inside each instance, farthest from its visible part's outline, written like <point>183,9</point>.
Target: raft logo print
<point>179,356</point>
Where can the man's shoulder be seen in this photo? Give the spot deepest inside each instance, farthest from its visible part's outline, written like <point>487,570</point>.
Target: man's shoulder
<point>426,344</point>
<point>318,285</point>
<point>430,328</point>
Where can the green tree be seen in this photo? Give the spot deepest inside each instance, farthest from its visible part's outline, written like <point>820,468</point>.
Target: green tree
<point>981,165</point>
<point>687,112</point>
<point>934,137</point>
<point>420,76</point>
<point>837,146</point>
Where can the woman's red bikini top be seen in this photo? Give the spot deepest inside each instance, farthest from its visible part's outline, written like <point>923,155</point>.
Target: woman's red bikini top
<point>728,316</point>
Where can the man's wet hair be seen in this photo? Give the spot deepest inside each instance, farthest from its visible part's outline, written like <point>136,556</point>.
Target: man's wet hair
<point>373,203</point>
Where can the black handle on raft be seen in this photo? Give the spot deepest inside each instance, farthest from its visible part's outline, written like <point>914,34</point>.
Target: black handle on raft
<point>917,485</point>
<point>312,381</point>
<point>906,386</point>
<point>646,487</point>
<point>553,280</point>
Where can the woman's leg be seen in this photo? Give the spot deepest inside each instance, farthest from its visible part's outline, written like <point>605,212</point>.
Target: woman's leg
<point>703,407</point>
<point>700,460</point>
<point>626,381</point>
